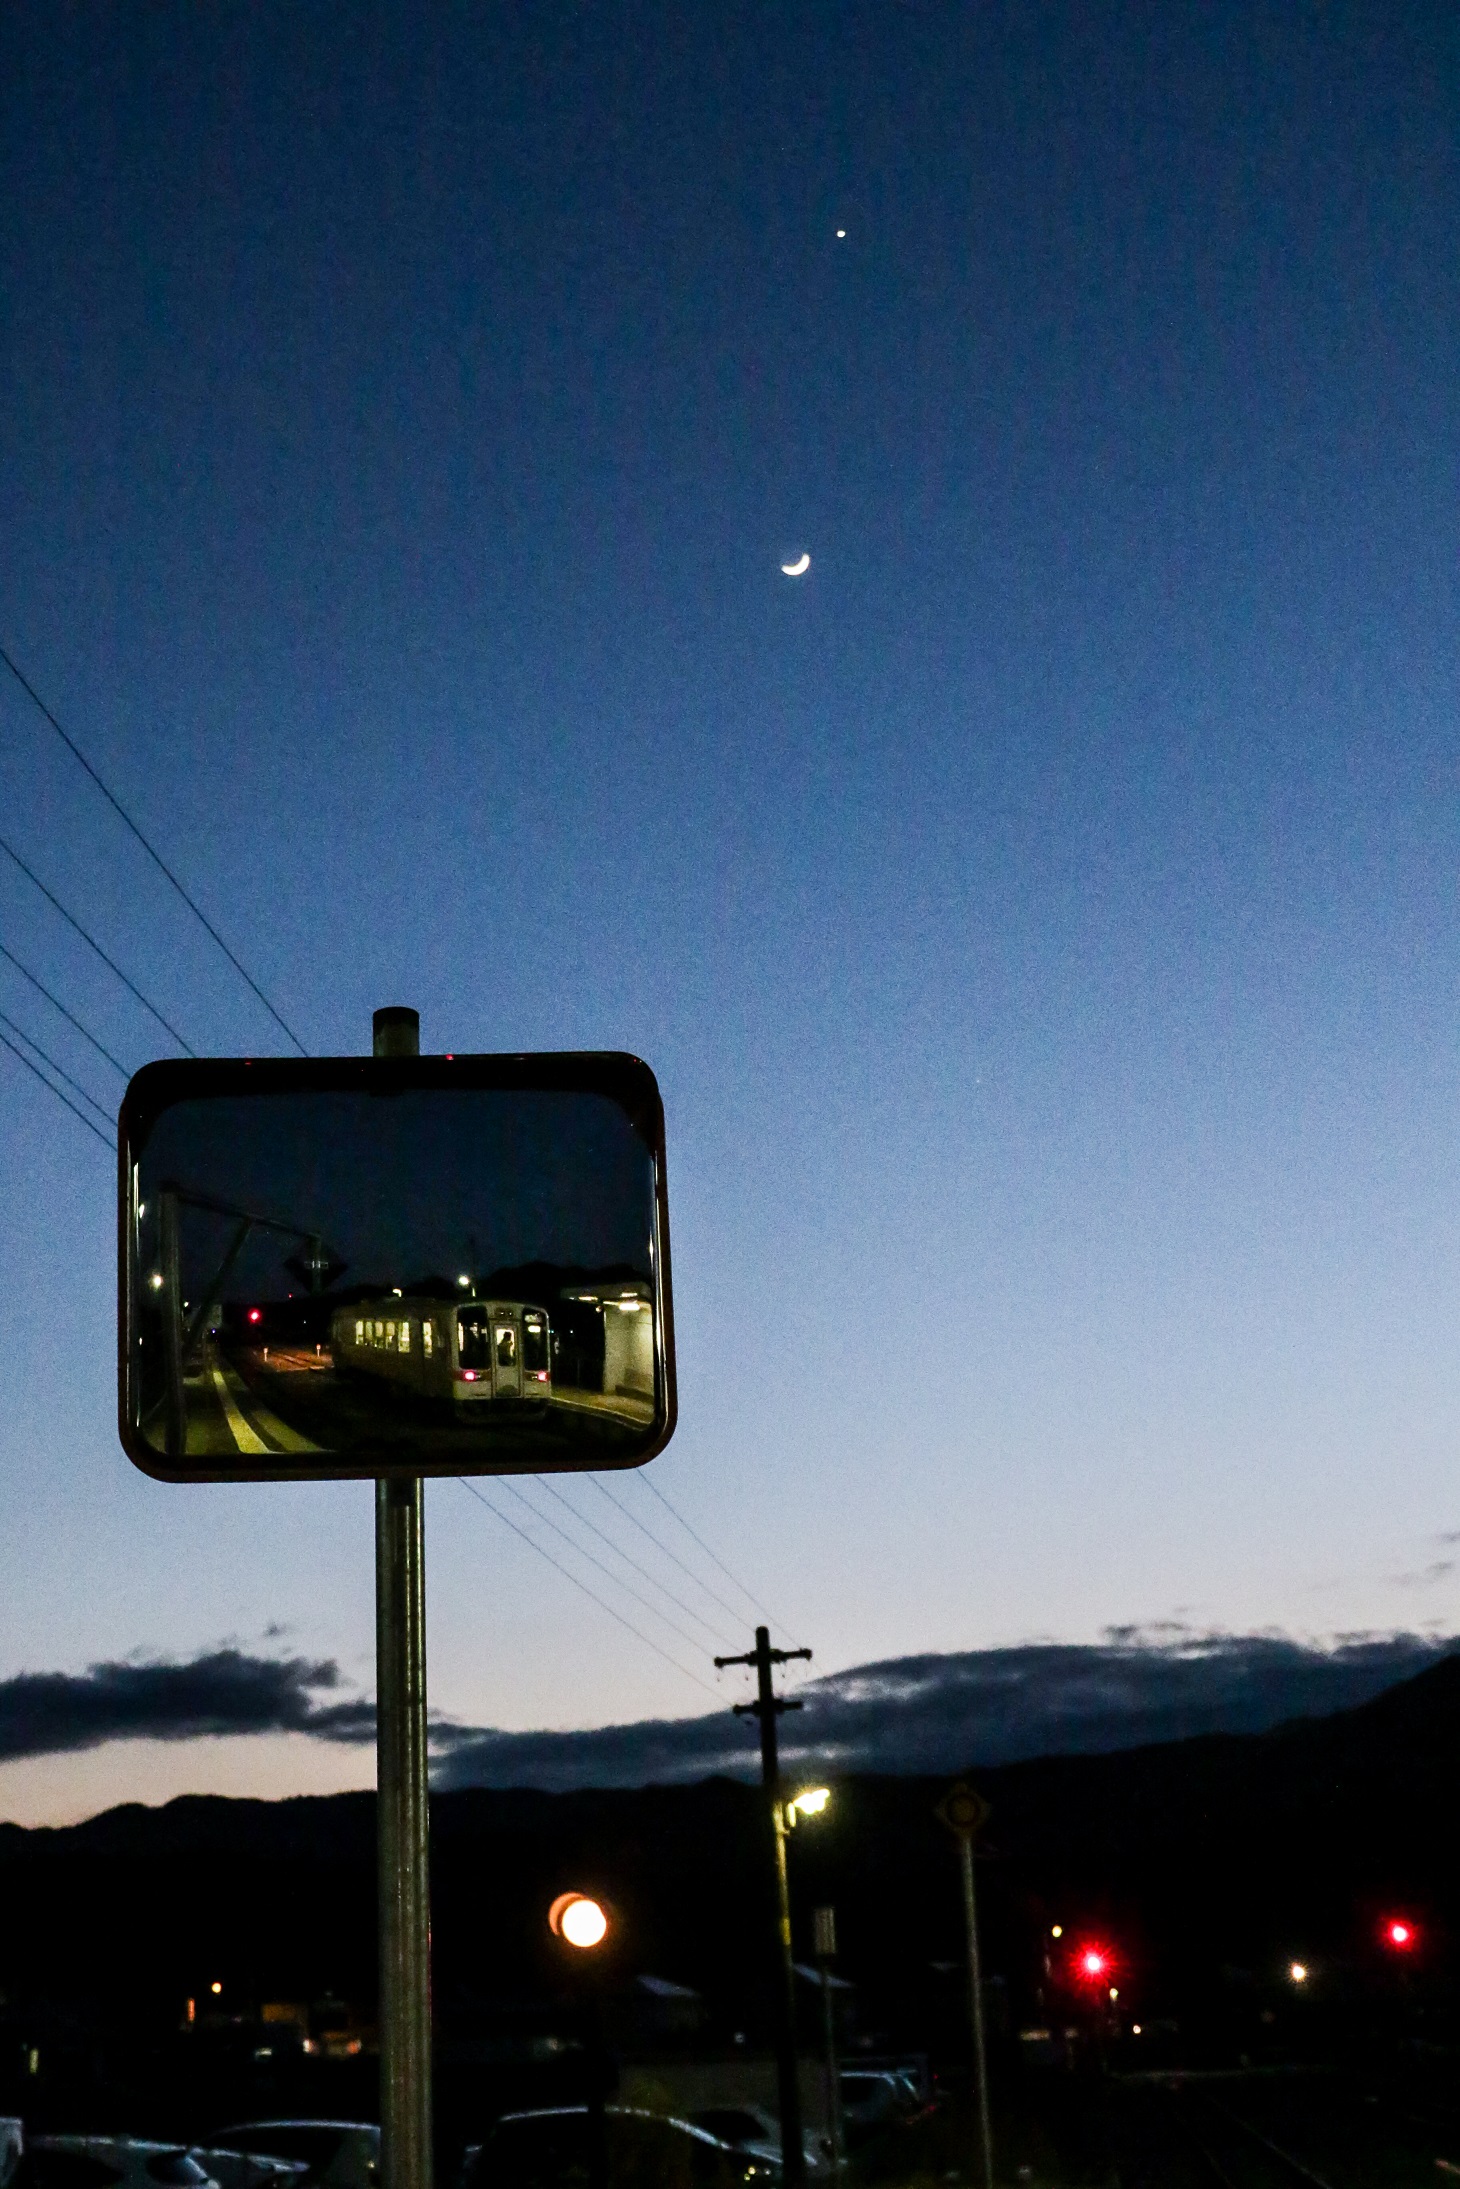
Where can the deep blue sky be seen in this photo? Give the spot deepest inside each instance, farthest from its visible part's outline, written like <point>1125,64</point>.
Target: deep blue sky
<point>1042,917</point>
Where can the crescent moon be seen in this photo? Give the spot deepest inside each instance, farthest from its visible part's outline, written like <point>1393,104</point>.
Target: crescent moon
<point>796,569</point>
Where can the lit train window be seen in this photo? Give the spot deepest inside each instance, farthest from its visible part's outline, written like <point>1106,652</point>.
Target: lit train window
<point>405,1337</point>
<point>428,1337</point>
<point>359,1333</point>
<point>390,1337</point>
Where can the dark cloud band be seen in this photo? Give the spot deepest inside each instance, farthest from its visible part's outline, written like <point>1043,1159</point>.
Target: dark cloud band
<point>224,1691</point>
<point>927,1713</point>
<point>943,1713</point>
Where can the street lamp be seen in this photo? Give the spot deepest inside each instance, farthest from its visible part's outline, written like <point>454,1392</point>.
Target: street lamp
<point>808,1803</point>
<point>582,1923</point>
<point>785,1816</point>
<point>578,1919</point>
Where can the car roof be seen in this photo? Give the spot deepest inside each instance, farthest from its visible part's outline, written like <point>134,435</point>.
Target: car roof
<point>80,2143</point>
<point>370,2128</point>
<point>618,2112</point>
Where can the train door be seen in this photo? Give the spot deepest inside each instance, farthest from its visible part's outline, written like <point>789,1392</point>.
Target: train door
<point>506,1357</point>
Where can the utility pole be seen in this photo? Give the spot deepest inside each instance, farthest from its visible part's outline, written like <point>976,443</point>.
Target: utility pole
<point>401,1788</point>
<point>767,1707</point>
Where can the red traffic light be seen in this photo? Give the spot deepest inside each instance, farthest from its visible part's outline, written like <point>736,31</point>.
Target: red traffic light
<point>255,1314</point>
<point>1399,1934</point>
<point>1092,1962</point>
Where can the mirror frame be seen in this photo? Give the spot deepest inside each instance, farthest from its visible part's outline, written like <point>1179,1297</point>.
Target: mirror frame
<point>624,1079</point>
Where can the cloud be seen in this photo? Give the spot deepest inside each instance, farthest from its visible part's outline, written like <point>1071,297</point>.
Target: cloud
<point>937,1712</point>
<point>223,1691</point>
<point>946,1712</point>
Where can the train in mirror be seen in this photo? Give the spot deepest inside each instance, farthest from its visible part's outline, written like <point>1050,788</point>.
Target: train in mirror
<point>418,1265</point>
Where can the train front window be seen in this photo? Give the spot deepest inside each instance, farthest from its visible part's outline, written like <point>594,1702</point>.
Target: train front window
<point>506,1345</point>
<point>475,1334</point>
<point>534,1343</point>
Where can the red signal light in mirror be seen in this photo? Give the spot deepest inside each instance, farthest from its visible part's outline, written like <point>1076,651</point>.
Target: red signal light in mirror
<point>1399,1934</point>
<point>255,1314</point>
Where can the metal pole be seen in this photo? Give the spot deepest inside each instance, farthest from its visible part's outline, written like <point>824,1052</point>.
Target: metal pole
<point>975,2000</point>
<point>825,1928</point>
<point>793,2150</point>
<point>401,1789</point>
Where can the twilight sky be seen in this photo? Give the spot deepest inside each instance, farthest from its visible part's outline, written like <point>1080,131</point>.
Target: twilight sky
<point>1041,917</point>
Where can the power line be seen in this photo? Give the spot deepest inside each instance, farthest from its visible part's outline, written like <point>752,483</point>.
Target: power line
<point>591,1594</point>
<point>59,1069</point>
<point>617,1579</point>
<point>545,1483</point>
<point>698,1579</point>
<point>92,943</point>
<point>35,1069</point>
<point>155,856</point>
<point>749,1594</point>
<point>55,1001</point>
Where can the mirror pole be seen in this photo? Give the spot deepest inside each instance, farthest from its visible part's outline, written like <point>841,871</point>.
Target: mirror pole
<point>401,1789</point>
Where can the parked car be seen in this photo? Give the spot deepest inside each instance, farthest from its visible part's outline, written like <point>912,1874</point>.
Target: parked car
<point>874,2097</point>
<point>250,2169</point>
<point>549,2149</point>
<point>334,2154</point>
<point>756,2132</point>
<point>107,2162</point>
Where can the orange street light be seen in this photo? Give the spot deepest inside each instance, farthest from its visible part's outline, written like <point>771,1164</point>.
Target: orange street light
<point>578,1919</point>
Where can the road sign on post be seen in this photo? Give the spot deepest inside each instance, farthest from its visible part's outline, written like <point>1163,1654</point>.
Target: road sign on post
<point>249,1188</point>
<point>965,1812</point>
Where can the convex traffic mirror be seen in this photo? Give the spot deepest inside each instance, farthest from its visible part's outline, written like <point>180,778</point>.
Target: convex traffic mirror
<point>362,1266</point>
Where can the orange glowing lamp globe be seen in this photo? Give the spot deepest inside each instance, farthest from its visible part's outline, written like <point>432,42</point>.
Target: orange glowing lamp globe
<point>579,1920</point>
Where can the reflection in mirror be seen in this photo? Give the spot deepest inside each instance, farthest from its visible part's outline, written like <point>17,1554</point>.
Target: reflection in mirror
<point>343,1280</point>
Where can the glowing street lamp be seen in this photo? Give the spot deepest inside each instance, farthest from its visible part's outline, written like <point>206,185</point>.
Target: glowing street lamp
<point>582,1922</point>
<point>579,1920</point>
<point>809,1803</point>
<point>1298,1973</point>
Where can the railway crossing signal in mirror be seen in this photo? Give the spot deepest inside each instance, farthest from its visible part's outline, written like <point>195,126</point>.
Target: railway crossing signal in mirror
<point>393,1265</point>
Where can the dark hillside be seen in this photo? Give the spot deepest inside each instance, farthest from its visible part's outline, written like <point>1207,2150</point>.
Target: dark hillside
<point>1208,1862</point>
